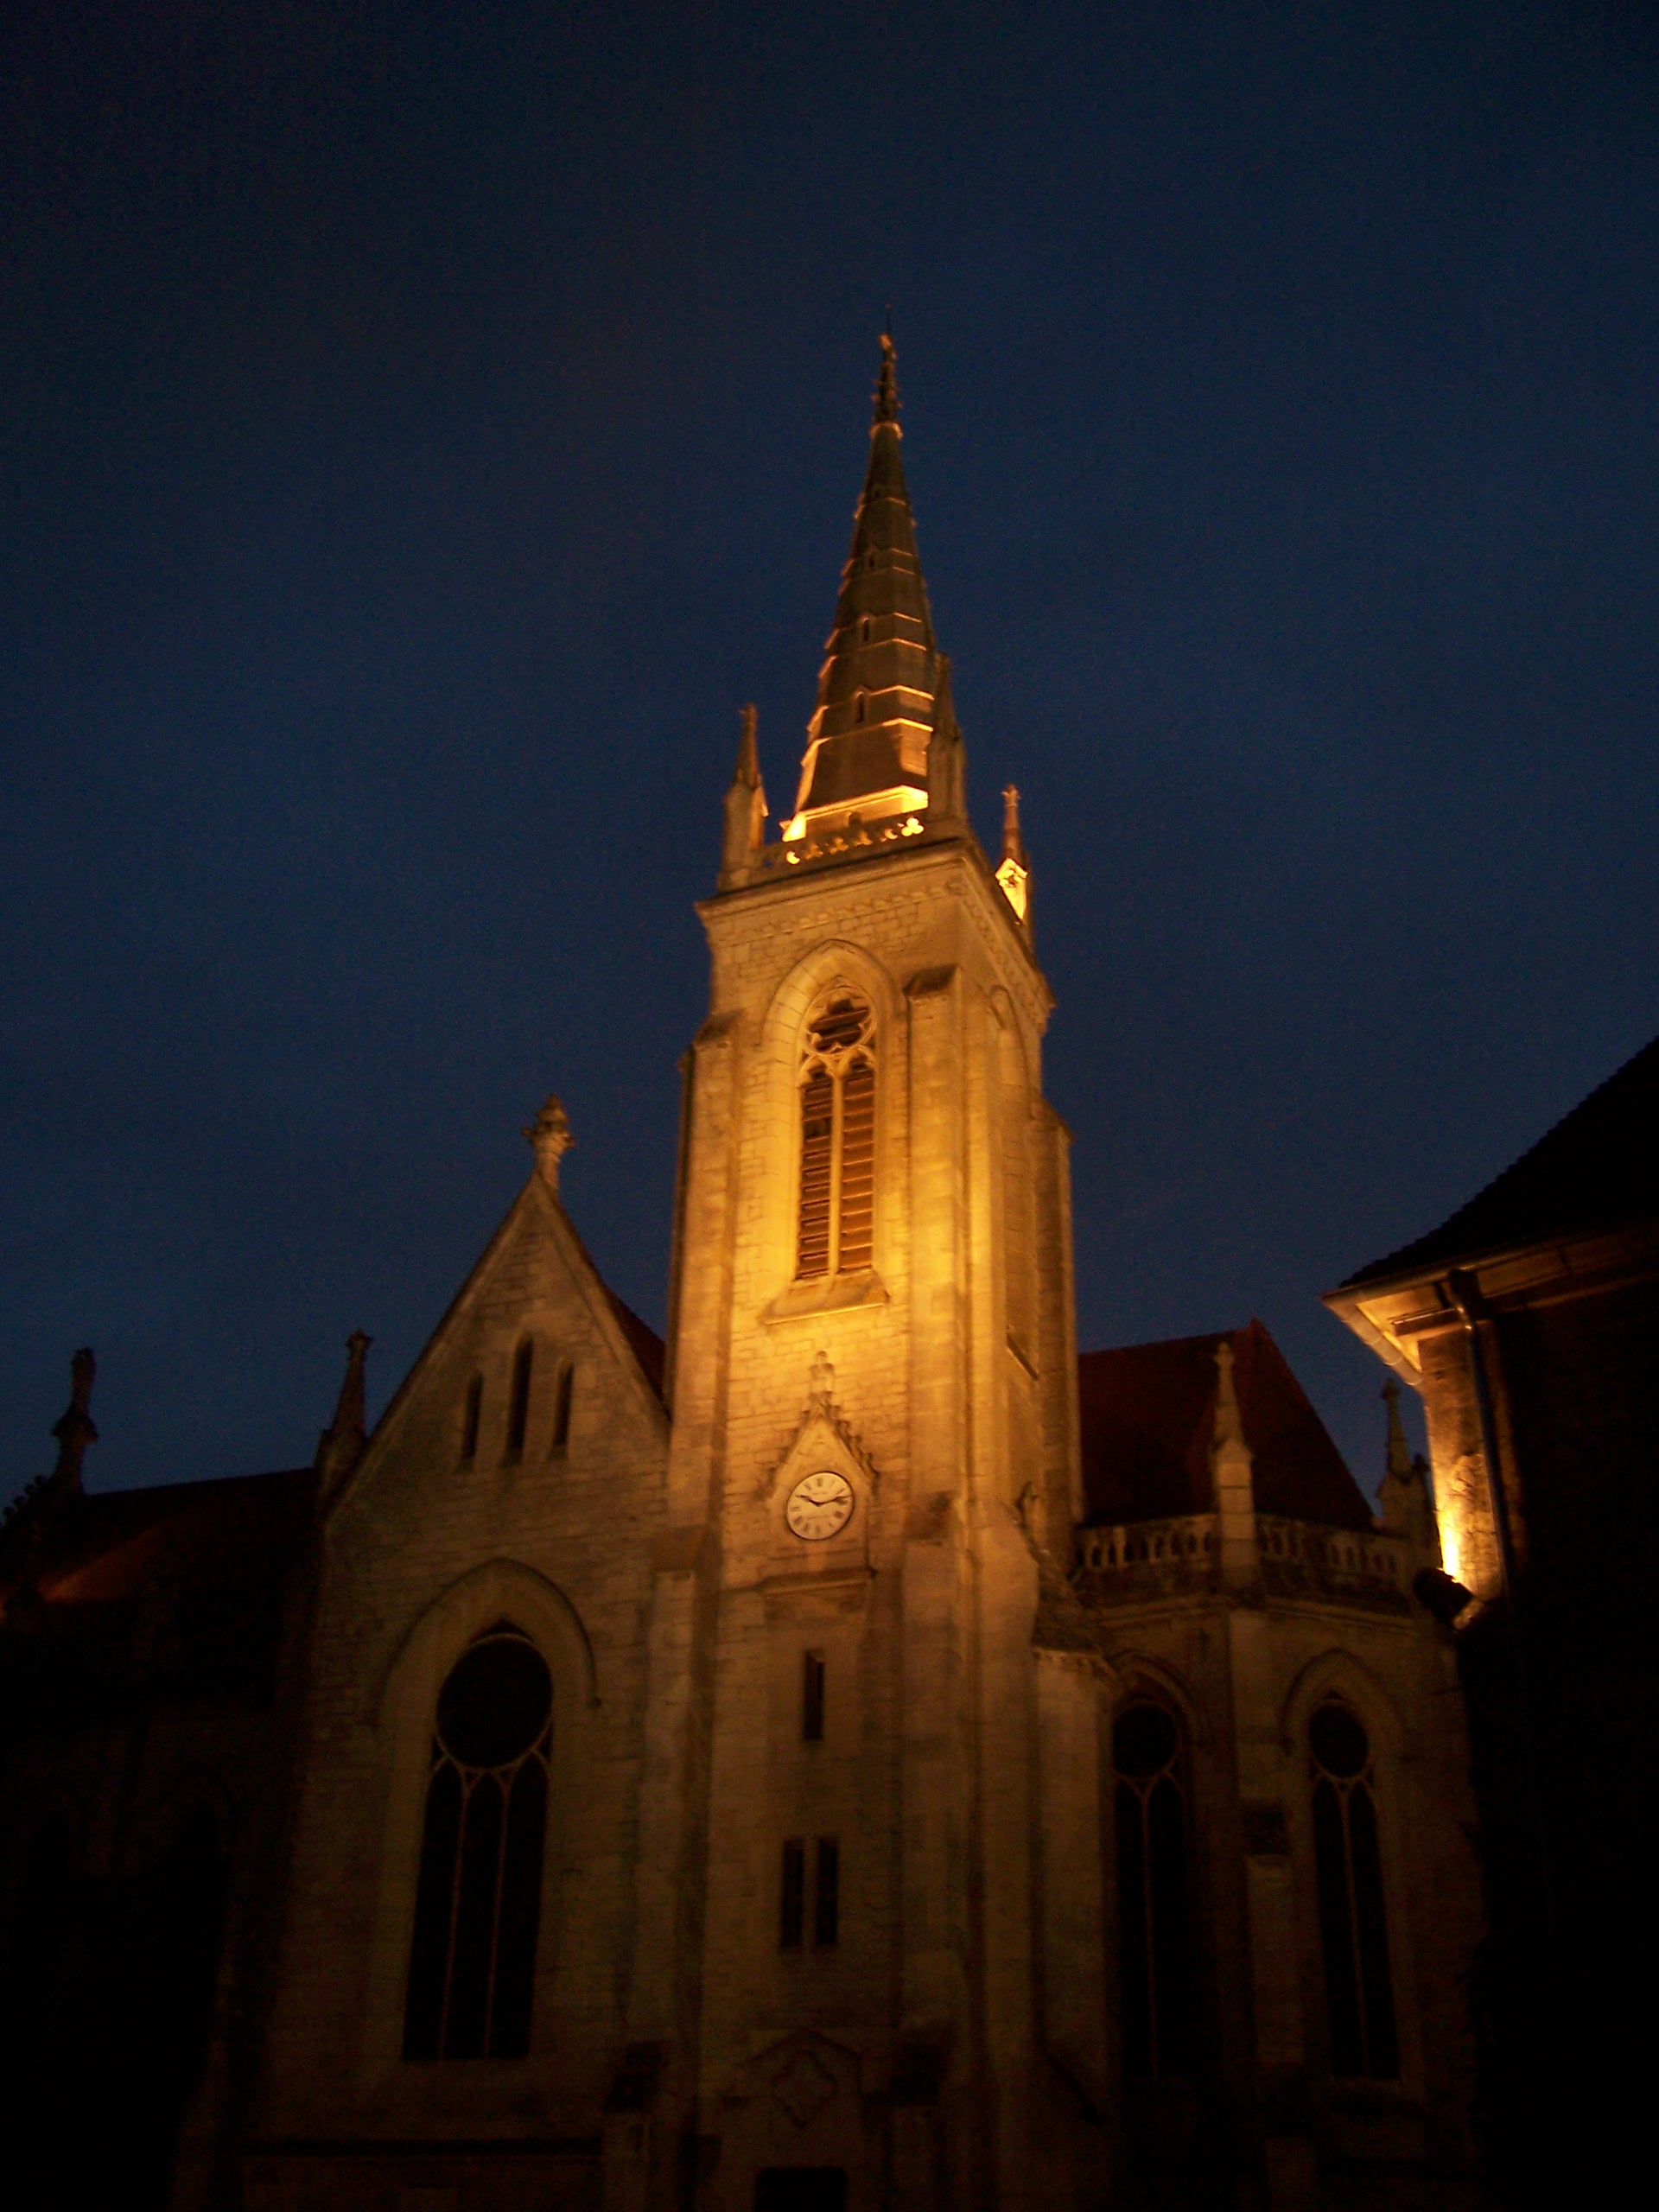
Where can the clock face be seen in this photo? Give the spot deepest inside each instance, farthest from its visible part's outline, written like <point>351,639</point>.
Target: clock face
<point>819,1506</point>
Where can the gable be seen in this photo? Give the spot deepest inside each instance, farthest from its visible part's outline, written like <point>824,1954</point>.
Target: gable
<point>536,1356</point>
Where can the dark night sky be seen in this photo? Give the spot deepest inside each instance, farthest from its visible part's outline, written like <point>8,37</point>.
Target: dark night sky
<point>422,427</point>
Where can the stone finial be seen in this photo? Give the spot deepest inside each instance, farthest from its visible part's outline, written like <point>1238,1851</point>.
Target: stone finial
<point>1399,1454</point>
<point>32,1516</point>
<point>747,771</point>
<point>1014,869</point>
<point>348,1413</point>
<point>1229,1422</point>
<point>341,1445</point>
<point>746,808</point>
<point>1231,1466</point>
<point>823,1380</point>
<point>1403,1496</point>
<point>947,756</point>
<point>1013,843</point>
<point>76,1429</point>
<point>550,1139</point>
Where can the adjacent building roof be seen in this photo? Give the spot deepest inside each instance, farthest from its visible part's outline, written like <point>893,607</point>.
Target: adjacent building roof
<point>179,1590</point>
<point>1148,1415</point>
<point>1597,1168</point>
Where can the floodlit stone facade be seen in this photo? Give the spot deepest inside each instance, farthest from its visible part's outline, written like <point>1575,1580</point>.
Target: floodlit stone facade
<point>809,1850</point>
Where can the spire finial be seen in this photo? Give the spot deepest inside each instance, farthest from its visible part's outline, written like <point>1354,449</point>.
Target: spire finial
<point>549,1139</point>
<point>76,1429</point>
<point>887,386</point>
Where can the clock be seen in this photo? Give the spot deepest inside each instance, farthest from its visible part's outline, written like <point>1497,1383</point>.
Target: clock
<point>819,1505</point>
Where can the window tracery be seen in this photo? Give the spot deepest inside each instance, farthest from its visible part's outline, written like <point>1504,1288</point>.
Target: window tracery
<point>1153,1910</point>
<point>478,1899</point>
<point>1353,1918</point>
<point>836,1211</point>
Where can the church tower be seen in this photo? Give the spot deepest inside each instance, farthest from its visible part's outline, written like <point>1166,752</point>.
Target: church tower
<point>869,1908</point>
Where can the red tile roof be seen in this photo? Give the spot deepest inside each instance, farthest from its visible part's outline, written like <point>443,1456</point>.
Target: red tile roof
<point>1148,1417</point>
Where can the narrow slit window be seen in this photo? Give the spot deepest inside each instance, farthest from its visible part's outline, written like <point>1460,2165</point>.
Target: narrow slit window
<point>471,1416</point>
<point>812,1697</point>
<point>1353,1918</point>
<point>791,1903</point>
<point>858,708</point>
<point>826,1897</point>
<point>519,1402</point>
<point>472,1965</point>
<point>835,1223</point>
<point>561,1392</point>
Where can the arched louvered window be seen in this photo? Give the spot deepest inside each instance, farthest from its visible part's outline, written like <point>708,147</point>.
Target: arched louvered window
<point>836,1219</point>
<point>470,1416</point>
<point>1353,1918</point>
<point>1154,1930</point>
<point>524,1362</point>
<point>478,1902</point>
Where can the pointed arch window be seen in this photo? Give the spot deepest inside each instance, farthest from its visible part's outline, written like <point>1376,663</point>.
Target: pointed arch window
<point>836,1215</point>
<point>1353,1917</point>
<point>1155,1946</point>
<point>478,1900</point>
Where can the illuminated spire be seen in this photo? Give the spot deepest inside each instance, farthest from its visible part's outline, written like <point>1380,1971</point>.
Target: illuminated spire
<point>869,739</point>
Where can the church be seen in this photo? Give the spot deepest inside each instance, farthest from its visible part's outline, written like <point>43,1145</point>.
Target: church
<point>858,1753</point>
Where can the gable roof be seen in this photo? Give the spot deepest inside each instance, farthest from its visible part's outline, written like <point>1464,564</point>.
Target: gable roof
<point>1147,1419</point>
<point>1597,1168</point>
